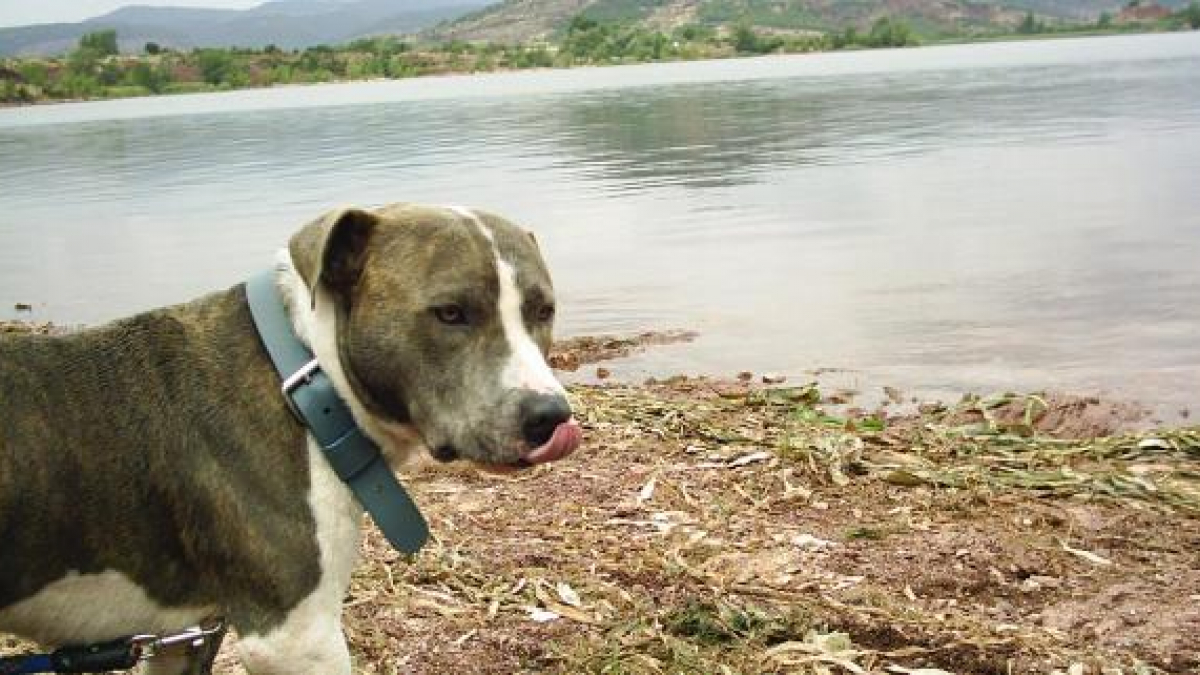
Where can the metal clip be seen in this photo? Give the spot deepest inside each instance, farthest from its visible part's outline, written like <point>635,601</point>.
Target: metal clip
<point>147,646</point>
<point>297,379</point>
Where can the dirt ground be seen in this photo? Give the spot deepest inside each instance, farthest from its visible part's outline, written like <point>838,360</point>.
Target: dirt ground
<point>735,527</point>
<point>704,530</point>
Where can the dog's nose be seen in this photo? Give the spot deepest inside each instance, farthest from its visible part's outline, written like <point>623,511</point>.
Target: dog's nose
<point>540,416</point>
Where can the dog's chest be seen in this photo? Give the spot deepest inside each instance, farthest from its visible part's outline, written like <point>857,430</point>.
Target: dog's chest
<point>94,607</point>
<point>100,606</point>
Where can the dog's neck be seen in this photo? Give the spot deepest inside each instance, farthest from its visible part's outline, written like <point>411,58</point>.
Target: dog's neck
<point>315,325</point>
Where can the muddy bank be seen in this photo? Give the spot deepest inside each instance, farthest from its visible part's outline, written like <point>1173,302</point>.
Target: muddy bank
<point>571,354</point>
<point>1057,414</point>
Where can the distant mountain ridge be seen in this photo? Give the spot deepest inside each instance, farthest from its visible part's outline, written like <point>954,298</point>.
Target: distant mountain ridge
<point>291,24</point>
<point>287,24</point>
<point>514,21</point>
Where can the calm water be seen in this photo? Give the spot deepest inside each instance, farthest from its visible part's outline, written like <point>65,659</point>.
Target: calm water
<point>975,217</point>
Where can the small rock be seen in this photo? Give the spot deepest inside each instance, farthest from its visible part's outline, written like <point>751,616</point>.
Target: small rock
<point>603,373</point>
<point>1038,581</point>
<point>772,378</point>
<point>565,361</point>
<point>745,376</point>
<point>931,407</point>
<point>731,390</point>
<point>841,397</point>
<point>812,542</point>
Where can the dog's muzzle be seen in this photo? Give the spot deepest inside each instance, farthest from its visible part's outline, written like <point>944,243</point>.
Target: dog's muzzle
<point>540,416</point>
<point>548,428</point>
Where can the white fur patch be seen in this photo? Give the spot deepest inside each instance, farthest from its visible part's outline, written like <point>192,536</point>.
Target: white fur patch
<point>92,608</point>
<point>526,367</point>
<point>468,214</point>
<point>310,640</point>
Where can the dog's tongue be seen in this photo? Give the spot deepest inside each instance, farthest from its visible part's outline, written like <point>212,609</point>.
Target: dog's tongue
<point>566,438</point>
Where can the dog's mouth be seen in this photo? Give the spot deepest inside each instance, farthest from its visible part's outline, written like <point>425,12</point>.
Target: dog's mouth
<point>565,440</point>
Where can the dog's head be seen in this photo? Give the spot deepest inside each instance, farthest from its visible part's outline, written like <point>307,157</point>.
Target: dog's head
<point>441,320</point>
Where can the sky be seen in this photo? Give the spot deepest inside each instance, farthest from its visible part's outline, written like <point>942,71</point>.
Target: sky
<point>23,12</point>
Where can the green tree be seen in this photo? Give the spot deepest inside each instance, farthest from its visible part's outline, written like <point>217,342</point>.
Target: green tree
<point>889,32</point>
<point>103,42</point>
<point>109,73</point>
<point>34,72</point>
<point>693,32</point>
<point>1192,15</point>
<point>1029,25</point>
<point>587,39</point>
<point>144,75</point>
<point>83,61</point>
<point>581,24</point>
<point>10,91</point>
<point>215,65</point>
<point>847,38</point>
<point>77,85</point>
<point>745,40</point>
<point>153,48</point>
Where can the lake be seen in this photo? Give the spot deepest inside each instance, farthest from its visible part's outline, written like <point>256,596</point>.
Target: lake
<point>977,217</point>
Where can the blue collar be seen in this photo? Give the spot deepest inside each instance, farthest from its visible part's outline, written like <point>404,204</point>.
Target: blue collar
<point>309,393</point>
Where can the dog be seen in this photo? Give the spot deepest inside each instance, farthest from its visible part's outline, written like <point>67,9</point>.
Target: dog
<point>152,475</point>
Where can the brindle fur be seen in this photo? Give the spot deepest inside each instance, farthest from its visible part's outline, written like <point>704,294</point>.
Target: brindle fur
<point>156,446</point>
<point>159,447</point>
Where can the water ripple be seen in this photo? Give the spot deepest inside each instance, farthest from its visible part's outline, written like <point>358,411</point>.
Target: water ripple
<point>925,214</point>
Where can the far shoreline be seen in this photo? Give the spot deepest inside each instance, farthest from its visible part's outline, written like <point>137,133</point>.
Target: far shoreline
<point>949,42</point>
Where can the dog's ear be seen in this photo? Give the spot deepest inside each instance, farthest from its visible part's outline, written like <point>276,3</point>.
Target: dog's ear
<point>333,249</point>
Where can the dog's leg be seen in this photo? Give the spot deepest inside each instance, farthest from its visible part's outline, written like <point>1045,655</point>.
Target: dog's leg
<point>307,642</point>
<point>309,639</point>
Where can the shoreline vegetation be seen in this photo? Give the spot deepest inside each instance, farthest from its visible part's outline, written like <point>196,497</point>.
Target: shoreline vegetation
<point>96,69</point>
<point>713,526</point>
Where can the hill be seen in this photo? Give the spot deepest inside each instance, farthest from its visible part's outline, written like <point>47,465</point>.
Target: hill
<point>514,21</point>
<point>288,24</point>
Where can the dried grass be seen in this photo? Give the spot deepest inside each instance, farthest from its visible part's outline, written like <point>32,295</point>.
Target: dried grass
<point>714,529</point>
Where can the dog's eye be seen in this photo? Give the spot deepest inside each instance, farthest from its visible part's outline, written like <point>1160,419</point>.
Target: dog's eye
<point>545,313</point>
<point>450,314</point>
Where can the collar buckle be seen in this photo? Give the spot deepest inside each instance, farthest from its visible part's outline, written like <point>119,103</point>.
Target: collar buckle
<point>295,381</point>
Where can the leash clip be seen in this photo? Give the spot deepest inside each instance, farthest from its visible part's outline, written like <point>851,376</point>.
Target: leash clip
<point>147,646</point>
